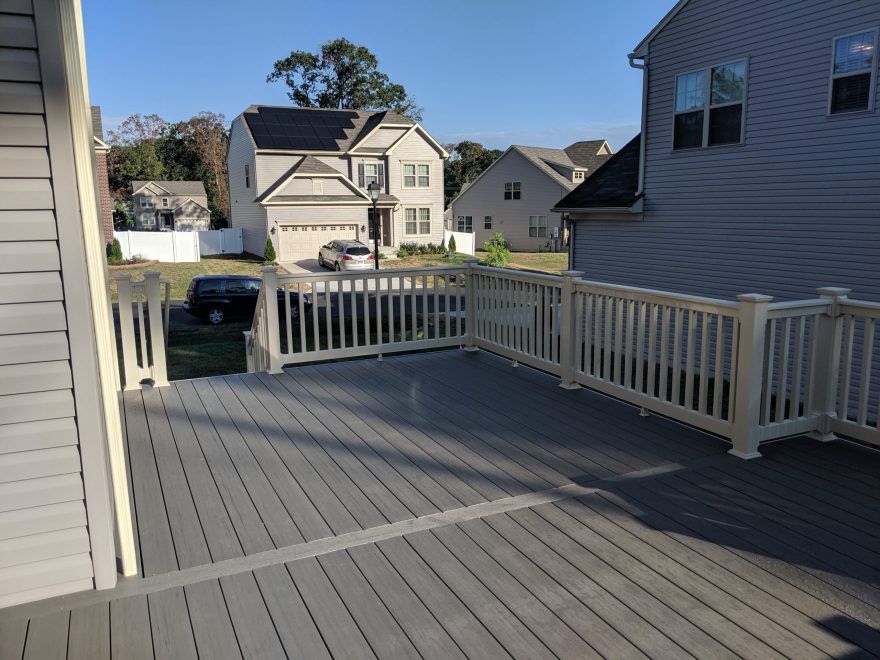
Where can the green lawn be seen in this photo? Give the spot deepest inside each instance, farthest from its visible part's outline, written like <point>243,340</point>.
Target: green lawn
<point>196,351</point>
<point>181,274</point>
<point>544,262</point>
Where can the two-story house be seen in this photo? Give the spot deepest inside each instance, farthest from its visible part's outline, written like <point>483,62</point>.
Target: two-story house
<point>170,206</point>
<point>514,194</point>
<point>758,165</point>
<point>299,176</point>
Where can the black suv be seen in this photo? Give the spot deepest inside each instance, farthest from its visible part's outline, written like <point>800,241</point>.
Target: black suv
<point>218,298</point>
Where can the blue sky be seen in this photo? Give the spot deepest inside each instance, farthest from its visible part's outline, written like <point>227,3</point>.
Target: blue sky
<point>499,72</point>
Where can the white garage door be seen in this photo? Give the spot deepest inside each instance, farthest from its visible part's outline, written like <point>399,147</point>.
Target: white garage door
<point>300,242</point>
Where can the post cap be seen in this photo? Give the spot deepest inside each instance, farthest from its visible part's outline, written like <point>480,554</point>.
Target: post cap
<point>833,291</point>
<point>573,273</point>
<point>754,297</point>
<point>268,269</point>
<point>152,274</point>
<point>122,276</point>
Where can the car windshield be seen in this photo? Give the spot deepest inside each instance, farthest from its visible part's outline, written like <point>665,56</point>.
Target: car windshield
<point>358,251</point>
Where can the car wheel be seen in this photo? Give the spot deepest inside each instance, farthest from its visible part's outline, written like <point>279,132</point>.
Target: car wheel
<point>216,316</point>
<point>320,260</point>
<point>338,267</point>
<point>294,310</point>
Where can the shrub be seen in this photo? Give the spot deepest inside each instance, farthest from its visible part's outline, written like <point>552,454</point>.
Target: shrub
<point>114,252</point>
<point>497,252</point>
<point>269,252</point>
<point>451,247</point>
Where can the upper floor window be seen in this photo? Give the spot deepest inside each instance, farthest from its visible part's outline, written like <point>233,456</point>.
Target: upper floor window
<point>317,186</point>
<point>371,173</point>
<point>146,202</point>
<point>165,202</point>
<point>852,72</point>
<point>465,223</point>
<point>512,190</point>
<point>247,175</point>
<point>709,106</point>
<point>578,176</point>
<point>416,175</point>
<point>538,226</point>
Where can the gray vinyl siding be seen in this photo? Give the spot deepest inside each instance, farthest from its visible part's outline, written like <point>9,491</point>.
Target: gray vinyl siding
<point>243,211</point>
<point>44,541</point>
<point>797,206</point>
<point>510,217</point>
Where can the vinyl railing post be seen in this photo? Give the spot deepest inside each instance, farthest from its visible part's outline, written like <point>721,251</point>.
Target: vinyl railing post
<point>826,370</point>
<point>126,332</point>
<point>248,352</point>
<point>470,305</point>
<point>749,374</point>
<point>567,331</point>
<point>158,366</point>
<point>270,310</point>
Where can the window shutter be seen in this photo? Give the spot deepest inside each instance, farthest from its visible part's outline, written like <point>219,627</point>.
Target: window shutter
<point>381,175</point>
<point>361,175</point>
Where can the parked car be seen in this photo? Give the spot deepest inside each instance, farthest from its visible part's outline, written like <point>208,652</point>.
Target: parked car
<point>219,298</point>
<point>345,255</point>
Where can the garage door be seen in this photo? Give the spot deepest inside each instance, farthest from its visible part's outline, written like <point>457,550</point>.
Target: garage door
<point>300,242</point>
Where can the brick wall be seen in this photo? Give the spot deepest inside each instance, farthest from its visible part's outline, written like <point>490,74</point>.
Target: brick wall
<point>104,196</point>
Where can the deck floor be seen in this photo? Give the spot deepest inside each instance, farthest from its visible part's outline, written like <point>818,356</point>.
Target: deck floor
<point>448,505</point>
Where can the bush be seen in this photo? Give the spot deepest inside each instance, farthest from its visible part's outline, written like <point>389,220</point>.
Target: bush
<point>451,247</point>
<point>269,252</point>
<point>497,251</point>
<point>114,252</point>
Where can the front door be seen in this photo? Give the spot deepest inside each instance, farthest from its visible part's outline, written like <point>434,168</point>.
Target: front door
<point>370,224</point>
<point>385,220</point>
<point>166,221</point>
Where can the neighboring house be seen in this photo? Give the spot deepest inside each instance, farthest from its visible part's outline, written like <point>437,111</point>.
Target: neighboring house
<point>299,175</point>
<point>59,381</point>
<point>514,194</point>
<point>102,180</point>
<point>758,166</point>
<point>170,206</point>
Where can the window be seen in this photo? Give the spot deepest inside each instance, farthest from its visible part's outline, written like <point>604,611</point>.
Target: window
<point>317,186</point>
<point>709,106</point>
<point>487,222</point>
<point>148,219</point>
<point>236,286</point>
<point>416,175</point>
<point>852,73</point>
<point>465,224</point>
<point>146,202</point>
<point>511,190</point>
<point>247,175</point>
<point>424,176</point>
<point>578,176</point>
<point>537,226</point>
<point>209,286</point>
<point>165,202</point>
<point>371,173</point>
<point>417,221</point>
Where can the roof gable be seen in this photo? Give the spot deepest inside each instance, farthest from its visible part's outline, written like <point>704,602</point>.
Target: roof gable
<point>183,188</point>
<point>613,186</point>
<point>189,201</point>
<point>308,167</point>
<point>642,48</point>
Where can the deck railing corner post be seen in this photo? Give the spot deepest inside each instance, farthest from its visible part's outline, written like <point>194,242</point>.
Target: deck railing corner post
<point>826,369</point>
<point>155,313</point>
<point>470,304</point>
<point>746,414</point>
<point>270,310</point>
<point>567,332</point>
<point>131,378</point>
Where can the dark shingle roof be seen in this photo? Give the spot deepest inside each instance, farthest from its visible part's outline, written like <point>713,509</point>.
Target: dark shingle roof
<point>586,153</point>
<point>579,154</point>
<point>174,187</point>
<point>314,129</point>
<point>613,186</point>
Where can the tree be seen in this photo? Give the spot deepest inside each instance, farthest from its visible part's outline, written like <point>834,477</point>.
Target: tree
<point>342,75</point>
<point>269,252</point>
<point>497,252</point>
<point>467,160</point>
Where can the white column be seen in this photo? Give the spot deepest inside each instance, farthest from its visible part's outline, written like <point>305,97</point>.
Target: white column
<point>158,366</point>
<point>826,370</point>
<point>470,304</point>
<point>126,332</point>
<point>567,331</point>
<point>270,310</point>
<point>749,369</point>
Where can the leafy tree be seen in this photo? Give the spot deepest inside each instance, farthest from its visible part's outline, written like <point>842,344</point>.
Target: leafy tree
<point>467,160</point>
<point>269,252</point>
<point>497,252</point>
<point>342,75</point>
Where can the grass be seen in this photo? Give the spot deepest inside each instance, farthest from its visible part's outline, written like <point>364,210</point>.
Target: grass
<point>196,351</point>
<point>543,262</point>
<point>181,274</point>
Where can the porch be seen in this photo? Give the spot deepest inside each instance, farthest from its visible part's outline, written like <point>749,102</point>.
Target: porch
<point>450,504</point>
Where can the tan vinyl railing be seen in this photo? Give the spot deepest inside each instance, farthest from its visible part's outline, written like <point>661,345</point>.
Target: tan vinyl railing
<point>143,328</point>
<point>749,370</point>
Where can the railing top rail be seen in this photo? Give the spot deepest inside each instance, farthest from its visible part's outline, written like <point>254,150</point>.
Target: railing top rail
<point>863,307</point>
<point>797,308</point>
<point>655,295</point>
<point>369,274</point>
<point>522,275</point>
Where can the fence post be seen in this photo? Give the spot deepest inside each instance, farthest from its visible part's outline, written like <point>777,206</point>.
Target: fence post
<point>270,310</point>
<point>158,366</point>
<point>470,305</point>
<point>749,374</point>
<point>126,332</point>
<point>567,331</point>
<point>826,369</point>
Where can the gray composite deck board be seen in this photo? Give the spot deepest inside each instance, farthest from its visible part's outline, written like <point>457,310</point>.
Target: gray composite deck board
<point>676,550</point>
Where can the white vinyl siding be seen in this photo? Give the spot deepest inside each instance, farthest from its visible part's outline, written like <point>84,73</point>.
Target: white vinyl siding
<point>244,213</point>
<point>414,149</point>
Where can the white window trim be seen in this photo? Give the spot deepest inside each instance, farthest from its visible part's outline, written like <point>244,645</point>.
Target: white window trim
<point>464,231</point>
<point>247,175</point>
<point>491,223</point>
<point>415,163</point>
<point>545,226</point>
<point>872,90</point>
<point>164,202</point>
<point>418,221</point>
<point>318,186</point>
<point>707,105</point>
<point>372,163</point>
<point>512,190</point>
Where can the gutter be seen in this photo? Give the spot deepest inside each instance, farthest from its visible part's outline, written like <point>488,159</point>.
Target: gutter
<point>632,57</point>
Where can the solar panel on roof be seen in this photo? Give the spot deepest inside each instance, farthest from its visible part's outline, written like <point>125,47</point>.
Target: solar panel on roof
<point>298,128</point>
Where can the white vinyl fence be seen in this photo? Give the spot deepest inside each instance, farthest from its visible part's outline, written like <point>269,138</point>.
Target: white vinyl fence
<point>179,246</point>
<point>220,241</point>
<point>464,242</point>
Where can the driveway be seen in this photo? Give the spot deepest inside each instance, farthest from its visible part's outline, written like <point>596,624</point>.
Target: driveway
<point>302,266</point>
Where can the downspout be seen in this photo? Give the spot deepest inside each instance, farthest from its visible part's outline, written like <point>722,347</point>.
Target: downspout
<point>566,218</point>
<point>644,67</point>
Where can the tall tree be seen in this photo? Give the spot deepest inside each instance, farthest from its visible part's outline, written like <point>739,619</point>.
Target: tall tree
<point>467,160</point>
<point>342,75</point>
